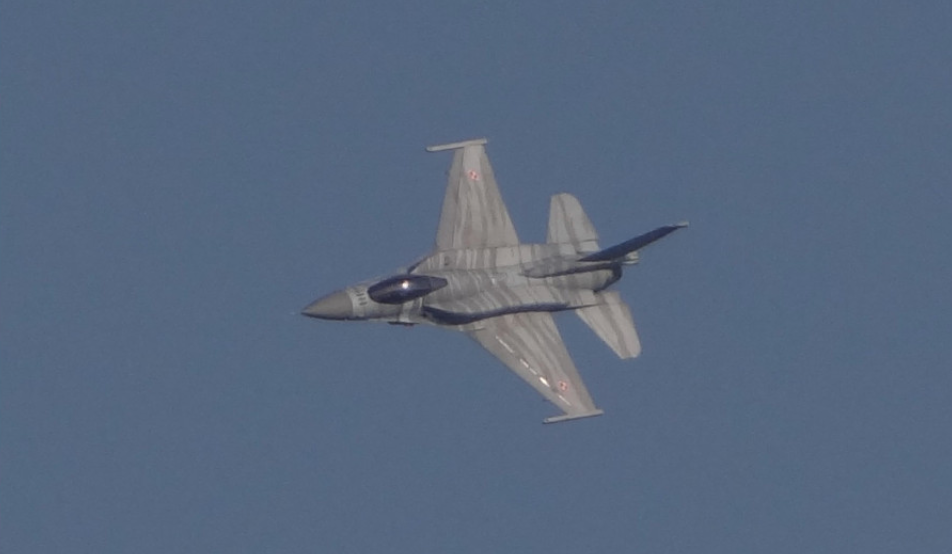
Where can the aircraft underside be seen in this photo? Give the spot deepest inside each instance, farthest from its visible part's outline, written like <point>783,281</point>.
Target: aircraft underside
<point>481,280</point>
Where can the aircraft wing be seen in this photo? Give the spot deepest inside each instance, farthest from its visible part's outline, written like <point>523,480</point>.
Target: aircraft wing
<point>474,215</point>
<point>529,344</point>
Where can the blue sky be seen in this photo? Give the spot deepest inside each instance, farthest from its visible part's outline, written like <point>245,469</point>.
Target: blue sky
<point>180,178</point>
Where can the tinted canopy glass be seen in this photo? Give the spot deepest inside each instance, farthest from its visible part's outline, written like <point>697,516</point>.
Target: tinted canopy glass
<point>403,288</point>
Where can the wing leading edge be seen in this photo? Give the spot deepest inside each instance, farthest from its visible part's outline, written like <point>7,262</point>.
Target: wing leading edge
<point>530,345</point>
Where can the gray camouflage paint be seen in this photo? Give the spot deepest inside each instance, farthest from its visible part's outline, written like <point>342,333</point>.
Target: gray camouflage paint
<point>501,292</point>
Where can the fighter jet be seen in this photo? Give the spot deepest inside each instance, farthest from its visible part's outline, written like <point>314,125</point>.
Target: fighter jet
<point>479,279</point>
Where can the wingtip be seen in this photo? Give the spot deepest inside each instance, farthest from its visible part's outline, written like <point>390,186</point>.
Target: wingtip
<point>455,145</point>
<point>684,223</point>
<point>570,417</point>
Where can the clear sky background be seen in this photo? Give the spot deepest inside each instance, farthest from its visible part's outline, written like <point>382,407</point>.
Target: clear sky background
<point>180,178</point>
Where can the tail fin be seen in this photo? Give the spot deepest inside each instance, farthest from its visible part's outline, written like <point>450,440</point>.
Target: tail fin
<point>569,224</point>
<point>611,321</point>
<point>633,245</point>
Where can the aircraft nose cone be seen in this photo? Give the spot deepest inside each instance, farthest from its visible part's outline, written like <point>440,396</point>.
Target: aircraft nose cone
<point>336,305</point>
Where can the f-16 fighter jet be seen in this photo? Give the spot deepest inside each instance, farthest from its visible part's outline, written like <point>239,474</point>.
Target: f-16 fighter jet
<point>479,279</point>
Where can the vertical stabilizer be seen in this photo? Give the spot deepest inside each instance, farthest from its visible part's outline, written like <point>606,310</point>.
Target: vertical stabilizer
<point>611,321</point>
<point>569,224</point>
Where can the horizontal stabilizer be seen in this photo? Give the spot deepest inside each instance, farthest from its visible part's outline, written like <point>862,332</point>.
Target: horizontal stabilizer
<point>611,321</point>
<point>569,417</point>
<point>633,245</point>
<point>455,145</point>
<point>568,224</point>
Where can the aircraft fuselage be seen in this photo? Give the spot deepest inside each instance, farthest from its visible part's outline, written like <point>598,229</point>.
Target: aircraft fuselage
<point>473,284</point>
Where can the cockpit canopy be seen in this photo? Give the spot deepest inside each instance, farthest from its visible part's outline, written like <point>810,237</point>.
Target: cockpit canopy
<point>404,288</point>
